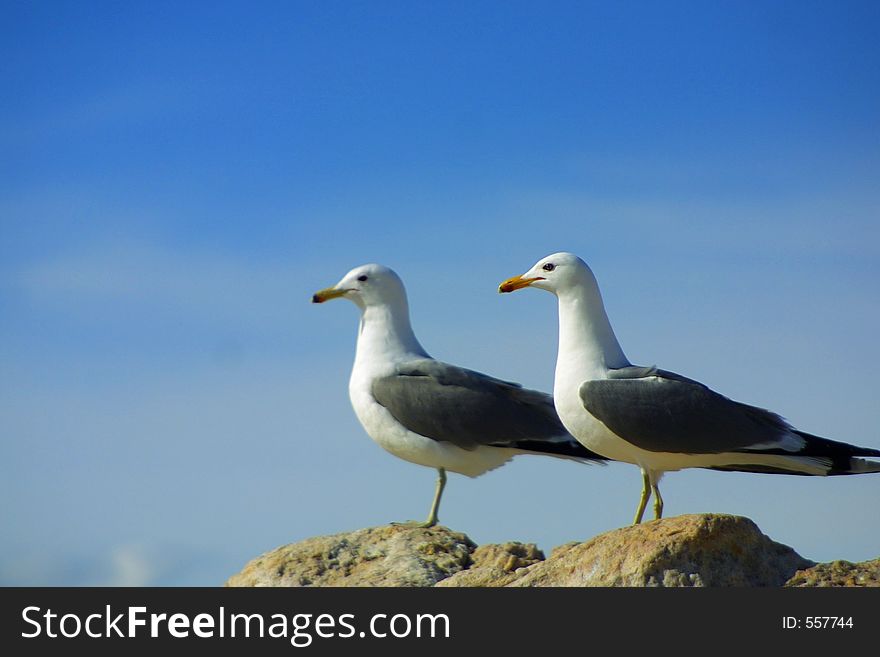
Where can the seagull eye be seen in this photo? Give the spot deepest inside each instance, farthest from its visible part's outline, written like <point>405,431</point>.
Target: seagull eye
<point>362,278</point>
<point>549,266</point>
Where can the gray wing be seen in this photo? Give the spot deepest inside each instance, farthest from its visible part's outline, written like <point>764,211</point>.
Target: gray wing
<point>661,411</point>
<point>466,408</point>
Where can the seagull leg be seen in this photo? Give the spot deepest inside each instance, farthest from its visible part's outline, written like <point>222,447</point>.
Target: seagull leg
<point>435,505</point>
<point>647,487</point>
<point>658,501</point>
<point>438,493</point>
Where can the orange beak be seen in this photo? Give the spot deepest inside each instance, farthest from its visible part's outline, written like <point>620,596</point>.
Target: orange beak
<point>517,283</point>
<point>326,294</point>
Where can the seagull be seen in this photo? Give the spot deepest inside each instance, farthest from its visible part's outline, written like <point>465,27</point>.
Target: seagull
<point>429,412</point>
<point>659,420</point>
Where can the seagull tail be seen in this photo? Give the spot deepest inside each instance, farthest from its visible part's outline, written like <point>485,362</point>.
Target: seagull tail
<point>566,449</point>
<point>815,456</point>
<point>860,466</point>
<point>845,459</point>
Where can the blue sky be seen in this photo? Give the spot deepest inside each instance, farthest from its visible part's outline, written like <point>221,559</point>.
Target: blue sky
<point>178,178</point>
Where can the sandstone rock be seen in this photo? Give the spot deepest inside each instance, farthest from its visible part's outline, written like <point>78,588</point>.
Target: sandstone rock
<point>496,565</point>
<point>839,573</point>
<point>690,550</point>
<point>390,555</point>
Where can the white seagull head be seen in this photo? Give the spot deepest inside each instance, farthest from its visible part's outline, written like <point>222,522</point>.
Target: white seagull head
<point>556,273</point>
<point>367,286</point>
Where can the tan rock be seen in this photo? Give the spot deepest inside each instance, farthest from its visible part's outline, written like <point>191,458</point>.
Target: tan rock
<point>838,573</point>
<point>390,555</point>
<point>693,550</point>
<point>690,550</point>
<point>496,565</point>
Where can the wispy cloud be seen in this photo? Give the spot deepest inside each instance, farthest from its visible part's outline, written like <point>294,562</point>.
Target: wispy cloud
<point>122,565</point>
<point>124,105</point>
<point>129,566</point>
<point>808,221</point>
<point>144,279</point>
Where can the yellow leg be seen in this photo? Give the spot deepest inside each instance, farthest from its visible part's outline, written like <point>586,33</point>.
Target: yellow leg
<point>438,493</point>
<point>435,505</point>
<point>646,495</point>
<point>658,501</point>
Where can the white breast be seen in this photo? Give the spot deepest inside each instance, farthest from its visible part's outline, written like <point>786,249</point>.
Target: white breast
<point>589,431</point>
<point>393,437</point>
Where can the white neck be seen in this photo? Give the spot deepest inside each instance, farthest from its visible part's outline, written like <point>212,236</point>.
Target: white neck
<point>587,344</point>
<point>386,332</point>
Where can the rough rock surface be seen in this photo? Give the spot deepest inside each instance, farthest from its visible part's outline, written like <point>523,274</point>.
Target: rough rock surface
<point>839,573</point>
<point>496,565</point>
<point>390,555</point>
<point>691,550</point>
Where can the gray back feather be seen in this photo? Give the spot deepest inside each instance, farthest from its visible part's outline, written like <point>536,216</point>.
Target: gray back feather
<point>661,411</point>
<point>466,408</point>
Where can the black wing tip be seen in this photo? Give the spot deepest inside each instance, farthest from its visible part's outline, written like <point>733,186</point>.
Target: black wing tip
<point>841,458</point>
<point>559,449</point>
<point>819,446</point>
